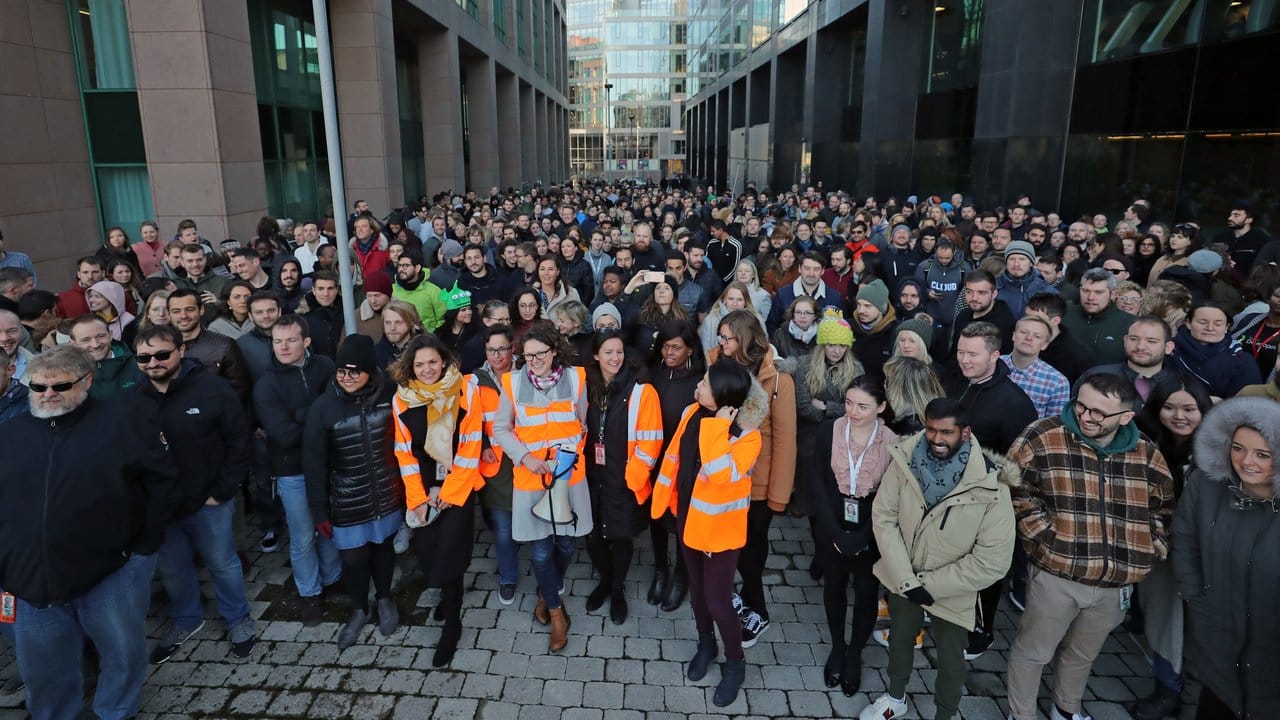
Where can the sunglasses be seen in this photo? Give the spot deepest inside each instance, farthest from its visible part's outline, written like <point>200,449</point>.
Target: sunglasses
<point>40,388</point>
<point>145,358</point>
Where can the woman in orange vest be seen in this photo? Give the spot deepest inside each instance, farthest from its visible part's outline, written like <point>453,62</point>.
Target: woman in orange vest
<point>541,417</point>
<point>706,483</point>
<point>427,409</point>
<point>624,428</point>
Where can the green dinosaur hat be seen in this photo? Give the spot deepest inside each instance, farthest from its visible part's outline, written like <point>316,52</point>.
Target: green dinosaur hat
<point>455,298</point>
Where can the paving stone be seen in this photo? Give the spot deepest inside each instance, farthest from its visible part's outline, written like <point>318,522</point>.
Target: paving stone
<point>485,687</point>
<point>331,706</point>
<point>290,703</point>
<point>562,693</point>
<point>326,679</point>
<point>372,707</point>
<point>523,691</point>
<point>685,699</point>
<point>455,709</point>
<point>402,682</point>
<point>414,708</point>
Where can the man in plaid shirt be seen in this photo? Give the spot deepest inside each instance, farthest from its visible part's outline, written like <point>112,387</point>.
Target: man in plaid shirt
<point>1094,500</point>
<point>1048,389</point>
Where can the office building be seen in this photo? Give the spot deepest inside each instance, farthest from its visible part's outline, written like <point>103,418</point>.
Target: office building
<point>1082,104</point>
<point>116,111</point>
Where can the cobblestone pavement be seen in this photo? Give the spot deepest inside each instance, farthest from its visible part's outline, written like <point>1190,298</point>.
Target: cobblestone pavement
<point>633,671</point>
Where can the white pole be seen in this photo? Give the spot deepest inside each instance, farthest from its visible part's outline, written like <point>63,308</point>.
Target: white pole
<point>320,12</point>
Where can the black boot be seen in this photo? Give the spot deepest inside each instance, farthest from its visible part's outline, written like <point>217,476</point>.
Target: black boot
<point>677,590</point>
<point>658,588</point>
<point>618,607</point>
<point>707,651</point>
<point>596,598</point>
<point>833,667</point>
<point>1160,704</point>
<point>732,673</point>
<point>448,644</point>
<point>851,675</point>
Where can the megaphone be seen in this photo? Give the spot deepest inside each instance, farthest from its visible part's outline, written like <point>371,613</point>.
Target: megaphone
<point>554,507</point>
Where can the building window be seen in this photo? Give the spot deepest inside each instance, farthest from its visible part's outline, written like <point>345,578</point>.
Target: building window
<point>412,146</point>
<point>113,122</point>
<point>471,6</point>
<point>522,30</point>
<point>955,45</point>
<point>500,20</point>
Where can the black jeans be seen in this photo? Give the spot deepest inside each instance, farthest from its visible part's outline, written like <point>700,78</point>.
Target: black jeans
<point>1212,708</point>
<point>710,591</point>
<point>837,571</point>
<point>612,559</point>
<point>369,561</point>
<point>753,556</point>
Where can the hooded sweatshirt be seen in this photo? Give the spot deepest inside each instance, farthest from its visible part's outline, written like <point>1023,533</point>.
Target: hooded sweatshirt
<point>114,293</point>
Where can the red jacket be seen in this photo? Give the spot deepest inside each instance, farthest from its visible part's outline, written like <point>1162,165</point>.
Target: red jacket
<point>72,303</point>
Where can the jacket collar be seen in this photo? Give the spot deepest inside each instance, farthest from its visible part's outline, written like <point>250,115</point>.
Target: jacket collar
<point>980,473</point>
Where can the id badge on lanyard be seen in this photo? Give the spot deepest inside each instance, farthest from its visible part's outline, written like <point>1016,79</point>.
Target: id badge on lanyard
<point>851,507</point>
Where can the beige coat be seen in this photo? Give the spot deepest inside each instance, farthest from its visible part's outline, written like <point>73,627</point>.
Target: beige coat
<point>954,549</point>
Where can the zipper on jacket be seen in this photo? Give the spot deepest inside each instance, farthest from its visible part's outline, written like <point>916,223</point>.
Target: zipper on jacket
<point>945,515</point>
<point>1102,514</point>
<point>44,511</point>
<point>920,527</point>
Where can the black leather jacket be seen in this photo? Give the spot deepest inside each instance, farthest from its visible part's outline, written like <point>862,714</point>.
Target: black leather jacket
<point>347,455</point>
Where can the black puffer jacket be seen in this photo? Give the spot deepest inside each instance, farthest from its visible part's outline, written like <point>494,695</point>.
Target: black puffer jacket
<point>281,399</point>
<point>78,494</point>
<point>222,357</point>
<point>578,275</point>
<point>348,458</point>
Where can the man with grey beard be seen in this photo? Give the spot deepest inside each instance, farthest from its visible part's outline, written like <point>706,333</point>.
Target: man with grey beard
<point>84,500</point>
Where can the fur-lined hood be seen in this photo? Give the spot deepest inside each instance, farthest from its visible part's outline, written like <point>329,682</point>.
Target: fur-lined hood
<point>754,411</point>
<point>381,244</point>
<point>1213,438</point>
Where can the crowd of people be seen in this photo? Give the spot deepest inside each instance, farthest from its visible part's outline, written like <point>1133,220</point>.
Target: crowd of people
<point>1076,417</point>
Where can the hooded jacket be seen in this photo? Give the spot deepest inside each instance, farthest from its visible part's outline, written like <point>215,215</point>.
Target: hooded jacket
<point>1224,367</point>
<point>373,260</point>
<point>289,299</point>
<point>1015,292</point>
<point>1228,571</point>
<point>873,346</point>
<point>119,326</point>
<point>775,471</point>
<point>577,274</point>
<point>325,324</point>
<point>78,495</point>
<point>959,546</point>
<point>202,424</point>
<point>1094,515</point>
<point>945,281</point>
<point>1103,333</point>
<point>998,409</point>
<point>115,373</point>
<point>425,296</point>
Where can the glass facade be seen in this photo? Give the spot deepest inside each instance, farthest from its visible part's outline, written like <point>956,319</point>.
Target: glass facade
<point>287,73</point>
<point>409,94</point>
<point>113,122</point>
<point>500,20</point>
<point>955,45</point>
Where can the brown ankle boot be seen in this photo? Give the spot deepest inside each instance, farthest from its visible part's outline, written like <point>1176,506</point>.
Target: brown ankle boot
<point>559,630</point>
<point>540,611</point>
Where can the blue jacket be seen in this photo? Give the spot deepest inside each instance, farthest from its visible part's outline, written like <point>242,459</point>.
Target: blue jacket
<point>1015,292</point>
<point>14,402</point>
<point>787,294</point>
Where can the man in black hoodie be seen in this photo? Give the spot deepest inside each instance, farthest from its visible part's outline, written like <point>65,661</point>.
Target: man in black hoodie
<point>200,421</point>
<point>281,399</point>
<point>84,499</point>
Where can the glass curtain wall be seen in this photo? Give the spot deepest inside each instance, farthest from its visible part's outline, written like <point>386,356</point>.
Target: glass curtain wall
<point>286,70</point>
<point>412,145</point>
<point>113,122</point>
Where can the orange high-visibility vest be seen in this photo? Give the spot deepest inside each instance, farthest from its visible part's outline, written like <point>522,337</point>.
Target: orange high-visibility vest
<point>415,492</point>
<point>479,404</point>
<point>644,439</point>
<point>541,428</point>
<point>717,515</point>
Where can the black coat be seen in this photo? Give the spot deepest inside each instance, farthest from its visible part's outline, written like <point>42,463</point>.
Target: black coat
<point>675,393</point>
<point>998,409</point>
<point>206,431</point>
<point>578,275</point>
<point>614,508</point>
<point>78,495</point>
<point>281,399</point>
<point>872,348</point>
<point>827,507</point>
<point>325,324</point>
<point>348,458</point>
<point>444,547</point>
<point>222,357</point>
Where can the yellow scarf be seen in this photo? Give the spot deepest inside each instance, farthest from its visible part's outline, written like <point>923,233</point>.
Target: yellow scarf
<point>441,398</point>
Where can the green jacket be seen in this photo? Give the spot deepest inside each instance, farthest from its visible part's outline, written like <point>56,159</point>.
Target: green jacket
<point>115,373</point>
<point>1103,333</point>
<point>954,549</point>
<point>426,298</point>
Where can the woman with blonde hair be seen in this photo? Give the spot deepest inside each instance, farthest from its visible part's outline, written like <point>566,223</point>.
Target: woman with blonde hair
<point>747,274</point>
<point>912,339</point>
<point>821,378</point>
<point>736,296</point>
<point>910,384</point>
<point>155,310</point>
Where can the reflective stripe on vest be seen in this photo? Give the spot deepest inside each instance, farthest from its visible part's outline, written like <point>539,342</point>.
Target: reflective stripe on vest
<point>707,508</point>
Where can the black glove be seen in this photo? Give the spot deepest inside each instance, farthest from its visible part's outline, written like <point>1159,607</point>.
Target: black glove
<point>919,596</point>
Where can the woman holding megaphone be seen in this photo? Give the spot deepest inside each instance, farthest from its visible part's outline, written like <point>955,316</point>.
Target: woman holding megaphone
<point>541,425</point>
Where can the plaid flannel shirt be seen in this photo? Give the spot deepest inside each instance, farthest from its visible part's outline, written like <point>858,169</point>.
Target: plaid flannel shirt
<point>1048,389</point>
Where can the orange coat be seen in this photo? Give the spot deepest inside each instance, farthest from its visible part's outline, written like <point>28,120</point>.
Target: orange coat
<point>479,405</point>
<point>644,439</point>
<point>717,513</point>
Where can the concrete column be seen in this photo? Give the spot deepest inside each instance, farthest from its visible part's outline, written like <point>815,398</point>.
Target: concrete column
<point>440,76</point>
<point>895,44</point>
<point>528,133</point>
<point>509,131</point>
<point>199,116</point>
<point>482,122</point>
<point>364,67</point>
<point>543,139</point>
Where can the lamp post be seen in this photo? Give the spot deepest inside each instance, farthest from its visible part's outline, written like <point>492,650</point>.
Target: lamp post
<point>607,87</point>
<point>631,115</point>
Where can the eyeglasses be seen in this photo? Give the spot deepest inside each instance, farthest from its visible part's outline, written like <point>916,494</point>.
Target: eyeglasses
<point>539,356</point>
<point>40,388</point>
<point>146,358</point>
<point>498,350</point>
<point>347,373</point>
<point>724,339</point>
<point>803,313</point>
<point>1084,411</point>
<point>1113,270</point>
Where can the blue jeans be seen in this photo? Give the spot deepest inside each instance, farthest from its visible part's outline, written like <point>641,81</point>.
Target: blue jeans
<point>1162,669</point>
<point>209,533</point>
<point>313,556</point>
<point>50,645</point>
<point>508,550</point>
<point>551,557</point>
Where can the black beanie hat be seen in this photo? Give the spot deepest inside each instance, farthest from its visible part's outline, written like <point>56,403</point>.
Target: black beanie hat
<point>356,353</point>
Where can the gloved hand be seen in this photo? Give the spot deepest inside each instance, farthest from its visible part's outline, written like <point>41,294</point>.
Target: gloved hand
<point>325,528</point>
<point>919,596</point>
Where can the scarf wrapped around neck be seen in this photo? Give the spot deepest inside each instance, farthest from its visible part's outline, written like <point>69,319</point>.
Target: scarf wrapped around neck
<point>801,334</point>
<point>544,384</point>
<point>874,464</point>
<point>441,399</point>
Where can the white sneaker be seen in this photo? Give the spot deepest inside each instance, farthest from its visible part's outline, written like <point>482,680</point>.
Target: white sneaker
<point>401,542</point>
<point>1059,715</point>
<point>885,708</point>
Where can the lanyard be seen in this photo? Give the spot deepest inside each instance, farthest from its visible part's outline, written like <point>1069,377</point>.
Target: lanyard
<point>856,468</point>
<point>1259,345</point>
<point>604,415</point>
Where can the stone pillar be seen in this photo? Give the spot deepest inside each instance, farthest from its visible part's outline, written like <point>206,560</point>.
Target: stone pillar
<point>47,205</point>
<point>895,44</point>
<point>510,147</point>
<point>199,107</point>
<point>528,133</point>
<point>542,139</point>
<point>441,75</point>
<point>482,122</point>
<point>364,64</point>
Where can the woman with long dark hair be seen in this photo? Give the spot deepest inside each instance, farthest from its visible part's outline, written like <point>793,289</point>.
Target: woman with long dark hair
<point>1183,240</point>
<point>526,309</point>
<point>675,366</point>
<point>661,307</point>
<point>427,410</point>
<point>624,428</point>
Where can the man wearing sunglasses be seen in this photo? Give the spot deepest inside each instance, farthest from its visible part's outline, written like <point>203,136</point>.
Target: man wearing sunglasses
<point>1094,501</point>
<point>84,499</point>
<point>200,421</point>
